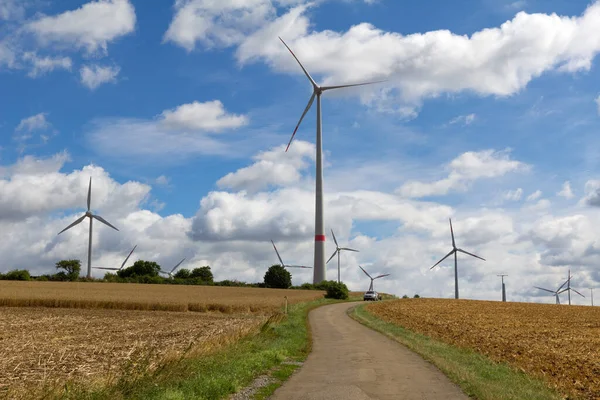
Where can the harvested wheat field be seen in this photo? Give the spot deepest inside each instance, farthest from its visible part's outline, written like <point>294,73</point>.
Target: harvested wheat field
<point>48,346</point>
<point>560,344</point>
<point>133,296</point>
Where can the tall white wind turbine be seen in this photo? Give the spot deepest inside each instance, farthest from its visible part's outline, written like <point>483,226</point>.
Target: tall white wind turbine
<point>319,273</point>
<point>372,279</point>
<point>91,216</point>
<point>337,251</point>
<point>122,265</point>
<point>454,251</point>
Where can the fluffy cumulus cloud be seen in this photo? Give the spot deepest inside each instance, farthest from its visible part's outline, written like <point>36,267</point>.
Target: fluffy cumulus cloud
<point>464,170</point>
<point>419,65</point>
<point>566,191</point>
<point>92,76</point>
<point>91,26</point>
<point>231,230</point>
<point>178,133</point>
<point>42,65</point>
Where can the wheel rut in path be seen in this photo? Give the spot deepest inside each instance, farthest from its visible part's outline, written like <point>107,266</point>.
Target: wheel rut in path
<point>352,362</point>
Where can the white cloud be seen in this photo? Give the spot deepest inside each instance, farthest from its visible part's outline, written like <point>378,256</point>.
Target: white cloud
<point>34,123</point>
<point>421,65</point>
<point>162,180</point>
<point>208,116</point>
<point>463,119</point>
<point>11,10</point>
<point>273,167</point>
<point>514,195</point>
<point>92,26</point>
<point>534,196</point>
<point>598,103</point>
<point>592,193</point>
<point>43,65</point>
<point>566,191</point>
<point>466,168</point>
<point>96,75</point>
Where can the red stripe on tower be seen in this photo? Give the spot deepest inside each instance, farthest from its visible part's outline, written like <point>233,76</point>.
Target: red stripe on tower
<point>319,238</point>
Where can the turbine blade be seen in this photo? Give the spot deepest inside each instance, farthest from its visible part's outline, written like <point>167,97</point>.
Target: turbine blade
<point>110,269</point>
<point>310,101</point>
<point>278,256</point>
<point>324,88</point>
<point>452,233</point>
<point>466,252</point>
<point>547,290</point>
<point>348,249</point>
<point>577,292</point>
<point>131,252</point>
<point>175,267</point>
<point>89,198</point>
<point>333,255</point>
<point>561,286</point>
<point>296,266</point>
<point>446,256</point>
<point>78,220</point>
<point>105,222</point>
<point>299,63</point>
<point>380,276</point>
<point>365,272</point>
<point>334,239</point>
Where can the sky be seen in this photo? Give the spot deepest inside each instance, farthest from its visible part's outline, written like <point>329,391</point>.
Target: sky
<point>180,111</point>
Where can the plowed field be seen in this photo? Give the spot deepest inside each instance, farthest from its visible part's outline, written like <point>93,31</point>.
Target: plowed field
<point>558,343</point>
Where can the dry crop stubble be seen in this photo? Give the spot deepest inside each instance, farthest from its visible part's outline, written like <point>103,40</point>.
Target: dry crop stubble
<point>132,296</point>
<point>41,347</point>
<point>560,344</point>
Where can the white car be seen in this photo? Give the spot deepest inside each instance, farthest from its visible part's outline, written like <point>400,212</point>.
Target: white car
<point>371,295</point>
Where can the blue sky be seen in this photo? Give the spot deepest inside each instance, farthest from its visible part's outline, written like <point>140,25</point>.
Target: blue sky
<point>172,97</point>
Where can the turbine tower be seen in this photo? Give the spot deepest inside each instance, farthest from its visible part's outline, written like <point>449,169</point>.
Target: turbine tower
<point>569,288</point>
<point>170,273</point>
<point>286,265</point>
<point>503,287</point>
<point>372,279</point>
<point>592,295</point>
<point>319,273</point>
<point>337,251</point>
<point>454,251</point>
<point>122,265</point>
<point>91,216</point>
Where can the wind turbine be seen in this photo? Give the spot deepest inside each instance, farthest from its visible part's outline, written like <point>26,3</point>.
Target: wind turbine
<point>337,251</point>
<point>555,292</point>
<point>319,273</point>
<point>454,251</point>
<point>503,287</point>
<point>569,288</point>
<point>170,273</point>
<point>286,265</point>
<point>122,265</point>
<point>91,216</point>
<point>372,279</point>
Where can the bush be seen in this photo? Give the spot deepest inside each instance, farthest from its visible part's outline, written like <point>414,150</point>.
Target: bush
<point>337,291</point>
<point>278,277</point>
<point>71,269</point>
<point>416,296</point>
<point>202,273</point>
<point>405,297</point>
<point>183,273</point>
<point>140,268</point>
<point>17,275</point>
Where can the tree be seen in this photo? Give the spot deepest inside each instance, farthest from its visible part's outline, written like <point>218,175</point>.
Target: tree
<point>140,268</point>
<point>71,270</point>
<point>405,297</point>
<point>337,290</point>
<point>202,273</point>
<point>17,275</point>
<point>416,296</point>
<point>183,273</point>
<point>278,277</point>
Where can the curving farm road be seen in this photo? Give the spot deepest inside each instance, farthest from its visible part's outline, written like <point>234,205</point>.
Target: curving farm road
<point>352,362</point>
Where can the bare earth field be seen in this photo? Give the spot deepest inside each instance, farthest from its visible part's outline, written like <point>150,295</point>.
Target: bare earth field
<point>132,296</point>
<point>558,343</point>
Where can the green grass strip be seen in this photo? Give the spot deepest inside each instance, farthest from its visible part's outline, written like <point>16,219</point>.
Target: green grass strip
<point>477,375</point>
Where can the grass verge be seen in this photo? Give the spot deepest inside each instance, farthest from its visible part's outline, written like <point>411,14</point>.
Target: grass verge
<point>477,375</point>
<point>218,374</point>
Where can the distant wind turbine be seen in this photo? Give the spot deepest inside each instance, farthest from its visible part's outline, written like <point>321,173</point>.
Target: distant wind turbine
<point>170,273</point>
<point>454,251</point>
<point>122,265</point>
<point>372,279</point>
<point>569,288</point>
<point>337,251</point>
<point>556,292</point>
<point>286,265</point>
<point>319,273</point>
<point>91,216</point>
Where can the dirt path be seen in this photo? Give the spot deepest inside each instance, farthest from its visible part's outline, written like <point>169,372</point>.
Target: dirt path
<point>352,362</point>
